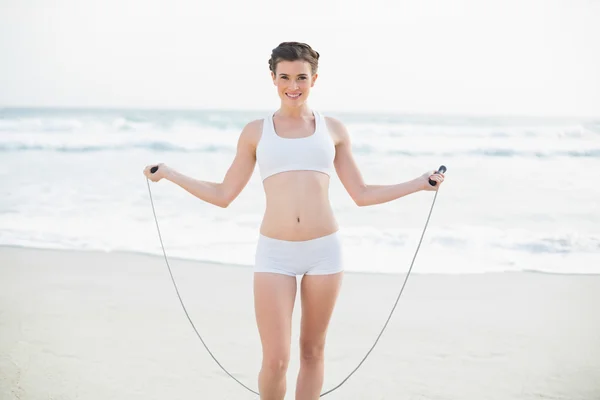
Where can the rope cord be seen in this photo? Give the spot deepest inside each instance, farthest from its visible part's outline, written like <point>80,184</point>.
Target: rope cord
<point>368,352</point>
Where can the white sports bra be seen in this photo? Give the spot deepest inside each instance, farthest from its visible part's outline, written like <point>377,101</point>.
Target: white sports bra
<point>276,154</point>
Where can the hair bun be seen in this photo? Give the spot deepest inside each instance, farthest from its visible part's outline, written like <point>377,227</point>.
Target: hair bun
<point>291,51</point>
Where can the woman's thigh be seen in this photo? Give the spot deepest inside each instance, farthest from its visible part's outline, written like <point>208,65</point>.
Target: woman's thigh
<point>274,296</point>
<point>319,294</point>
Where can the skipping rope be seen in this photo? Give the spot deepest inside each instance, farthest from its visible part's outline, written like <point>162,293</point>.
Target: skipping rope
<point>442,169</point>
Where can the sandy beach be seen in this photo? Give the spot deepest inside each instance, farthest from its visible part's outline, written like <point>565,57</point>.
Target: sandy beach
<point>93,325</point>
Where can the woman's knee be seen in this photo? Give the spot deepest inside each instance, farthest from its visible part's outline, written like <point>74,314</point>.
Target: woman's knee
<point>312,351</point>
<point>276,364</point>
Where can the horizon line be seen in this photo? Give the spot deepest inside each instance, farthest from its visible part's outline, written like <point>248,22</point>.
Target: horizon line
<point>264,110</point>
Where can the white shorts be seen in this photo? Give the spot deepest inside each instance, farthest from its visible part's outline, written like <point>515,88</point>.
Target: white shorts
<point>320,256</point>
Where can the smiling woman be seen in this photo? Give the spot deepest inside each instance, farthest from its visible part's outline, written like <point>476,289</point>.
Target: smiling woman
<point>293,80</point>
<point>297,151</point>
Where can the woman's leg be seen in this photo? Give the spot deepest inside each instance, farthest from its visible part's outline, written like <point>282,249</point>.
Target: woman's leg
<point>319,294</point>
<point>274,296</point>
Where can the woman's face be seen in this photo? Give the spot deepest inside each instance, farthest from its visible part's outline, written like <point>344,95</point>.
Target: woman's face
<point>293,80</point>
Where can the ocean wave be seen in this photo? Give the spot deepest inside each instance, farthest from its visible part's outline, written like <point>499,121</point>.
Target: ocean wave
<point>106,121</point>
<point>153,146</point>
<point>159,146</point>
<point>491,152</point>
<point>592,126</point>
<point>464,250</point>
<point>592,153</point>
<point>472,238</point>
<point>49,121</point>
<point>554,245</point>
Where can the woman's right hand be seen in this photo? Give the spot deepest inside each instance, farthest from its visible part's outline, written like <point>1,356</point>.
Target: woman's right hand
<point>159,174</point>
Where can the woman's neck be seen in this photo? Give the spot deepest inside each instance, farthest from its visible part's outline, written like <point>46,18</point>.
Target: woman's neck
<point>295,112</point>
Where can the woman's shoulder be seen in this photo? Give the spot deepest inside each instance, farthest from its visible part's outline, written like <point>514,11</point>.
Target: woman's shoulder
<point>333,122</point>
<point>252,132</point>
<point>337,129</point>
<point>254,125</point>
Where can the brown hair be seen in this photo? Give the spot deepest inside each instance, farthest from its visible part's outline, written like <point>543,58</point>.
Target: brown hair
<point>293,51</point>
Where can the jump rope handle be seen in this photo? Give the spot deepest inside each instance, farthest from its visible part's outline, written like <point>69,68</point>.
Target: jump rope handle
<point>155,168</point>
<point>440,170</point>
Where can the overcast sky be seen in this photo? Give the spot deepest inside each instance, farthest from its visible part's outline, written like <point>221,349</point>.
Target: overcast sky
<point>525,57</point>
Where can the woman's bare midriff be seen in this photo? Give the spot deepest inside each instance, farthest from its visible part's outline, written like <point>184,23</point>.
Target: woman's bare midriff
<point>297,206</point>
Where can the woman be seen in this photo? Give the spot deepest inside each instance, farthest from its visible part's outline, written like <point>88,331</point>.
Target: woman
<point>297,150</point>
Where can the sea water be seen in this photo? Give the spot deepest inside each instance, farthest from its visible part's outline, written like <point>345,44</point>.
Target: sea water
<point>521,193</point>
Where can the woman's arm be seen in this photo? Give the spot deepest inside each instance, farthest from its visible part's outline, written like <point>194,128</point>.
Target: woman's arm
<point>236,178</point>
<point>351,178</point>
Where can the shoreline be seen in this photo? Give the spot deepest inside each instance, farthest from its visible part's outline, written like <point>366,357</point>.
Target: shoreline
<point>248,266</point>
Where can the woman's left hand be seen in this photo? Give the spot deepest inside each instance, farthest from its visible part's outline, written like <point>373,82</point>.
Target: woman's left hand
<point>434,176</point>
